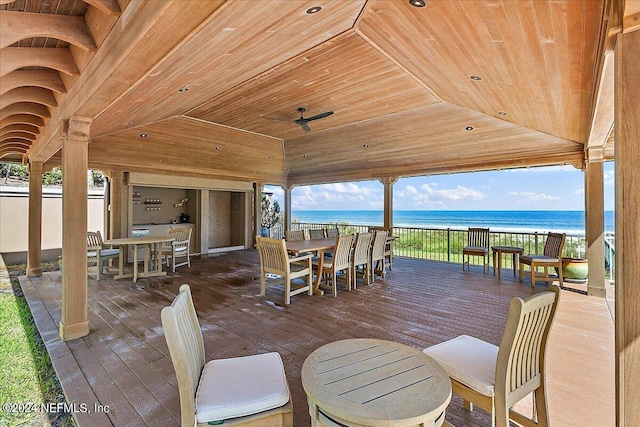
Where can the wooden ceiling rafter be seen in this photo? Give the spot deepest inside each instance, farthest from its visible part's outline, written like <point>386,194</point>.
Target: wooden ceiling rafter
<point>48,79</point>
<point>18,135</point>
<point>18,26</point>
<point>33,130</point>
<point>30,108</point>
<point>34,94</point>
<point>27,119</point>
<point>110,7</point>
<point>14,58</point>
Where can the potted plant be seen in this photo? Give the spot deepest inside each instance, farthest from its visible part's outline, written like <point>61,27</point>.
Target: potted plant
<point>184,217</point>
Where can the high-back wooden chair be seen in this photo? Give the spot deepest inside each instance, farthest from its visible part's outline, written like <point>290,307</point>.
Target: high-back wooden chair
<point>340,261</point>
<point>98,253</point>
<point>332,233</point>
<point>477,245</point>
<point>241,391</point>
<point>496,378</point>
<point>294,235</point>
<point>551,257</point>
<point>378,254</point>
<point>180,247</point>
<point>362,257</point>
<point>275,260</point>
<point>316,233</point>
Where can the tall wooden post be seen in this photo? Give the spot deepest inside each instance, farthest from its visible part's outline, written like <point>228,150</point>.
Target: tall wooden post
<point>257,209</point>
<point>388,201</point>
<point>594,222</point>
<point>74,322</point>
<point>34,259</point>
<point>118,204</point>
<point>287,208</point>
<point>204,222</point>
<point>627,289</point>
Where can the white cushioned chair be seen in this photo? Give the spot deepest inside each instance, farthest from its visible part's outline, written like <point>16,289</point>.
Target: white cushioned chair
<point>496,378</point>
<point>241,391</point>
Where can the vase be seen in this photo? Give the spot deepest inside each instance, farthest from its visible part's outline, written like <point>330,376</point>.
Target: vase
<point>184,217</point>
<point>575,268</point>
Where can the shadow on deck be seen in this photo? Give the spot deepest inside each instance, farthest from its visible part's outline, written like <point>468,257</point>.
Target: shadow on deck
<point>124,362</point>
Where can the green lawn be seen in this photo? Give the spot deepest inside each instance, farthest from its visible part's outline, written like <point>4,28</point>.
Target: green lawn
<point>26,374</point>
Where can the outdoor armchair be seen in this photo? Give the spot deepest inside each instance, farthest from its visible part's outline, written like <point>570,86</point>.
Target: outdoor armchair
<point>97,253</point>
<point>477,245</point>
<point>551,257</point>
<point>180,247</point>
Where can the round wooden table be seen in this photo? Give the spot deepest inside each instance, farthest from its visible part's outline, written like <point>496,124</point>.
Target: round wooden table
<point>497,253</point>
<point>369,382</point>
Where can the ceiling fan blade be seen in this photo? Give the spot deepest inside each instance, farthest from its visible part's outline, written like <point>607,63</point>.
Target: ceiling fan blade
<point>319,116</point>
<point>305,126</point>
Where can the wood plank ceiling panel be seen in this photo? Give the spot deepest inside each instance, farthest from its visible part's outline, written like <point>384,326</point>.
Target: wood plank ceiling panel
<point>241,40</point>
<point>345,75</point>
<point>189,145</point>
<point>535,58</point>
<point>420,141</point>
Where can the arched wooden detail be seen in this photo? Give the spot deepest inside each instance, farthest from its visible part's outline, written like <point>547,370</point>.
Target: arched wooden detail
<point>18,26</point>
<point>38,95</point>
<point>6,1</point>
<point>18,135</point>
<point>59,59</point>
<point>48,79</point>
<point>110,7</point>
<point>33,130</point>
<point>15,144</point>
<point>9,152</point>
<point>25,108</point>
<point>26,119</point>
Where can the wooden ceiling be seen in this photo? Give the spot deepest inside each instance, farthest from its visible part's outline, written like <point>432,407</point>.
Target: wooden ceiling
<point>215,85</point>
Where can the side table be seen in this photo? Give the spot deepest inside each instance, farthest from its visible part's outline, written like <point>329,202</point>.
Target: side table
<point>497,253</point>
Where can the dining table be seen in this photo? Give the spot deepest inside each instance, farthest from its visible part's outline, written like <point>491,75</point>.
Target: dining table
<point>318,246</point>
<point>372,382</point>
<point>151,246</point>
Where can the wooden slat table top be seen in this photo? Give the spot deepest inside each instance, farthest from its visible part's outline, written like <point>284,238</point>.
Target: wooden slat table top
<point>311,245</point>
<point>376,382</point>
<point>138,240</point>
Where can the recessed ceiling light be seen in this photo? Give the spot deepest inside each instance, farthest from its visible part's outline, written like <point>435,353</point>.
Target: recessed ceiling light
<point>365,146</point>
<point>469,128</point>
<point>130,123</point>
<point>218,148</point>
<point>417,3</point>
<point>502,113</point>
<point>270,157</point>
<point>314,9</point>
<point>305,156</point>
<point>143,135</point>
<point>183,89</point>
<point>475,78</point>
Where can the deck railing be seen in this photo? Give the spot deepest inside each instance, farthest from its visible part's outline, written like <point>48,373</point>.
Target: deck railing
<point>445,244</point>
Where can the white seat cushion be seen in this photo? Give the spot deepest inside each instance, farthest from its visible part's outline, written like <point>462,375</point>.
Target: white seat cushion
<point>240,386</point>
<point>468,360</point>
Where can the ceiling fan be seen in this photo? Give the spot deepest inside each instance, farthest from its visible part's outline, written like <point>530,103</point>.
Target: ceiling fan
<point>302,121</point>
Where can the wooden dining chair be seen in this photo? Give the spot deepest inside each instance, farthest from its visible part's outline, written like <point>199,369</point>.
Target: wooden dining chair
<point>340,261</point>
<point>551,257</point>
<point>332,233</point>
<point>241,391</point>
<point>294,235</point>
<point>98,253</point>
<point>362,258</point>
<point>378,255</point>
<point>316,233</point>
<point>477,245</point>
<point>496,378</point>
<point>275,260</point>
<point>180,247</point>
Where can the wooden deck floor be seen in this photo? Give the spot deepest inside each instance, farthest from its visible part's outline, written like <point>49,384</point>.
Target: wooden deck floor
<point>124,362</point>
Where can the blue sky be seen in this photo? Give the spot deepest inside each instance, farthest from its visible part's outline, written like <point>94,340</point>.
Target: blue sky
<point>543,188</point>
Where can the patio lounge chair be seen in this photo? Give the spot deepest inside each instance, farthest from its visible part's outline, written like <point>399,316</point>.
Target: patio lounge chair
<point>240,391</point>
<point>97,253</point>
<point>274,260</point>
<point>477,245</point>
<point>551,257</point>
<point>496,378</point>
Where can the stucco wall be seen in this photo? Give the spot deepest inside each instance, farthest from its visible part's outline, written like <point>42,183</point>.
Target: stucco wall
<point>14,221</point>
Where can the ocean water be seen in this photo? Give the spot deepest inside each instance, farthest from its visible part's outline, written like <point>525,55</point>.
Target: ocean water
<point>570,222</point>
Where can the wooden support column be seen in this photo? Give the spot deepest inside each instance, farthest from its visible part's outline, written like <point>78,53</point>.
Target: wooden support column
<point>594,222</point>
<point>257,210</point>
<point>34,260</point>
<point>388,201</point>
<point>627,288</point>
<point>287,208</point>
<point>118,205</point>
<point>74,322</point>
<point>204,222</point>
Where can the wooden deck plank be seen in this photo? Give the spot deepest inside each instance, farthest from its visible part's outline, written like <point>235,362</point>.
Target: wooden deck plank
<point>124,362</point>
